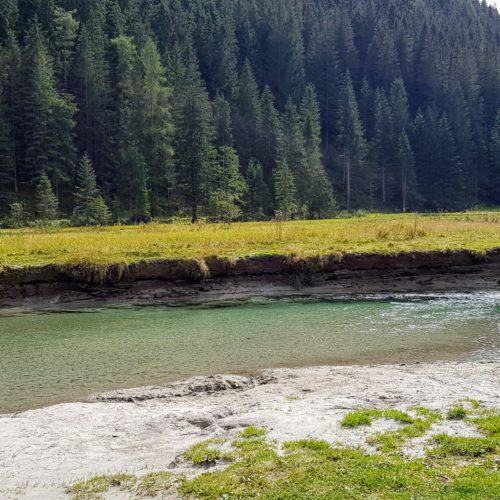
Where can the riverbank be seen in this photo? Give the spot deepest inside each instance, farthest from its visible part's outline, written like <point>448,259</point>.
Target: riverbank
<point>219,279</point>
<point>148,429</point>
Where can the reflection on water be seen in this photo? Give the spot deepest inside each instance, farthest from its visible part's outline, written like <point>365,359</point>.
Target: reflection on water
<point>50,358</point>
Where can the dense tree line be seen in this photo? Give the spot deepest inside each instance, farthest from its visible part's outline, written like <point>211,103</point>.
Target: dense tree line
<point>130,109</point>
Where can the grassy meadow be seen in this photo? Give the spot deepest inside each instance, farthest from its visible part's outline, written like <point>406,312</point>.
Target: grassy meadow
<point>380,233</point>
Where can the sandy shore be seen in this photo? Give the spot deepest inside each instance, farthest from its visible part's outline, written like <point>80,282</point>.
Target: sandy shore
<point>146,429</point>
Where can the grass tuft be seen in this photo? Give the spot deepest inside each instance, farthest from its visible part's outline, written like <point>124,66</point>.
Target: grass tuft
<point>359,418</point>
<point>391,441</point>
<point>489,424</point>
<point>253,432</point>
<point>208,452</point>
<point>451,446</point>
<point>456,413</point>
<point>92,488</point>
<point>154,483</point>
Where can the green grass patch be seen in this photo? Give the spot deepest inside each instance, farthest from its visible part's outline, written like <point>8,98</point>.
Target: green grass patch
<point>208,452</point>
<point>456,468</point>
<point>93,488</point>
<point>154,483</point>
<point>253,432</point>
<point>451,446</point>
<point>391,441</point>
<point>359,418</point>
<point>314,469</point>
<point>456,413</point>
<point>379,233</point>
<point>489,424</point>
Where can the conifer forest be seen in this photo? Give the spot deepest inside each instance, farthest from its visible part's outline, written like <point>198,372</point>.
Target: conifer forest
<point>127,110</point>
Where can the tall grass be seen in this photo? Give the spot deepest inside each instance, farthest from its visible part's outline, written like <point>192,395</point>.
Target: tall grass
<point>380,233</point>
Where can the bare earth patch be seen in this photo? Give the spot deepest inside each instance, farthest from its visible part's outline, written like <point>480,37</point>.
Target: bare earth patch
<point>143,430</point>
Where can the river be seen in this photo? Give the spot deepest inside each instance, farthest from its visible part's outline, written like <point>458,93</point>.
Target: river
<point>53,357</point>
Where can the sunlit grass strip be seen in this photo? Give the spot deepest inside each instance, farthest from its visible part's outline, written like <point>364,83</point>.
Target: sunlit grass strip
<point>359,418</point>
<point>384,234</point>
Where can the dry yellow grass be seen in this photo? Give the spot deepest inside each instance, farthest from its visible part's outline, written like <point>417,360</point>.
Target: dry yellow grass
<point>127,244</point>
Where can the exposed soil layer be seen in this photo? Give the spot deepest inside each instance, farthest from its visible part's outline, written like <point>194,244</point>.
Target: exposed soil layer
<point>219,279</point>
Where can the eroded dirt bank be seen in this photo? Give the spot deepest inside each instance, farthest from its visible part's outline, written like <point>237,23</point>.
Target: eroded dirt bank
<point>147,429</point>
<point>180,282</point>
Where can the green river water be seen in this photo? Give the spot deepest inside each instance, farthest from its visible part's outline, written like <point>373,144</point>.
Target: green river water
<point>66,356</point>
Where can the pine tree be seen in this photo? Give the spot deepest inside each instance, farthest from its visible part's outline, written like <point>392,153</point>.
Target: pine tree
<point>406,162</point>
<point>257,200</point>
<point>223,122</point>
<point>131,113</point>
<point>8,17</point>
<point>224,184</point>
<point>398,102</point>
<point>96,119</point>
<point>325,73</point>
<point>194,132</point>
<point>448,186</point>
<point>319,189</point>
<point>366,108</point>
<point>46,201</point>
<point>422,141</point>
<point>494,170</point>
<point>66,27</point>
<point>292,151</point>
<point>247,115</point>
<point>90,208</point>
<point>351,138</point>
<point>156,129</point>
<point>270,134</point>
<point>381,144</point>
<point>284,190</point>
<point>48,116</point>
<point>7,159</point>
<point>283,51</point>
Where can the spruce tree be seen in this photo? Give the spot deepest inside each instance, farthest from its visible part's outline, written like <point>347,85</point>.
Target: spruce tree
<point>224,185</point>
<point>46,201</point>
<point>319,189</point>
<point>156,132</point>
<point>494,167</point>
<point>324,72</point>
<point>449,184</point>
<point>90,208</point>
<point>96,127</point>
<point>193,122</point>
<point>247,115</point>
<point>292,151</point>
<point>351,139</point>
<point>66,28</point>
<point>257,200</point>
<point>270,134</point>
<point>133,116</point>
<point>8,17</point>
<point>223,122</point>
<point>284,191</point>
<point>7,159</point>
<point>48,116</point>
<point>406,162</point>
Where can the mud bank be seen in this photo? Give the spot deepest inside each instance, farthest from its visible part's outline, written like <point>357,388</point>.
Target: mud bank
<point>217,279</point>
<point>148,429</point>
